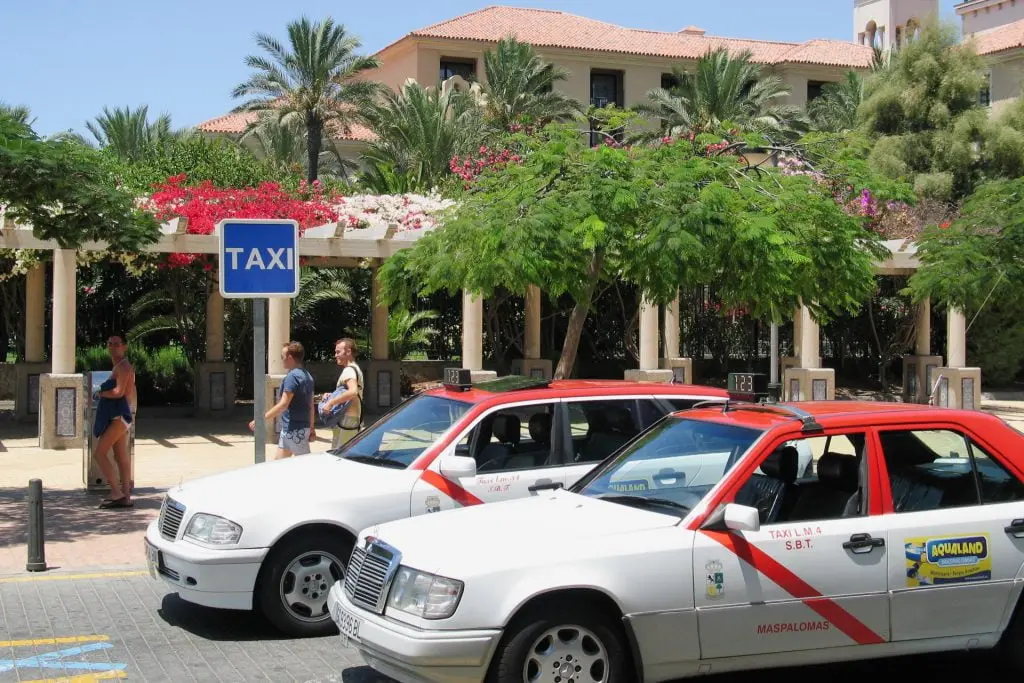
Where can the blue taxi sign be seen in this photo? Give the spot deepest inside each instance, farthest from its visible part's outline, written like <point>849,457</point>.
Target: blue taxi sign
<point>259,258</point>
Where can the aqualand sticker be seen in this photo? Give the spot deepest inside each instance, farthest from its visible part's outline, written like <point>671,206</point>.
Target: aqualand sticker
<point>947,559</point>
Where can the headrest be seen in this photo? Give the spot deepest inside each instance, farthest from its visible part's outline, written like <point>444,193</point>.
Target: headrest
<point>507,428</point>
<point>540,427</point>
<point>782,463</point>
<point>619,420</point>
<point>839,471</point>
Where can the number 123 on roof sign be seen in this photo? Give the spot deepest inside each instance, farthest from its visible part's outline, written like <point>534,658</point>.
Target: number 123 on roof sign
<point>259,258</point>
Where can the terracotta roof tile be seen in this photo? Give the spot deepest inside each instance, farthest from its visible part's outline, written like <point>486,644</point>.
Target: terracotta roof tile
<point>236,123</point>
<point>552,28</point>
<point>1006,37</point>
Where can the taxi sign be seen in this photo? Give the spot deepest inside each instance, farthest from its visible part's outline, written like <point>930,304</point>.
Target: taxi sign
<point>458,379</point>
<point>748,386</point>
<point>259,258</point>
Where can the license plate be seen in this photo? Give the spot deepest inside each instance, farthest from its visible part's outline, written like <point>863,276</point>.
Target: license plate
<point>152,559</point>
<point>348,625</point>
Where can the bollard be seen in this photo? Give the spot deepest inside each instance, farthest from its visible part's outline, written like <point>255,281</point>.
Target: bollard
<point>36,551</point>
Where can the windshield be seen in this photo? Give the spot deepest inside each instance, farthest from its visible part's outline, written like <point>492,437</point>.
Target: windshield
<point>402,435</point>
<point>672,466</point>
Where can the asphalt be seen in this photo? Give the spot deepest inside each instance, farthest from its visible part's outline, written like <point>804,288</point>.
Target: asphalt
<point>79,628</point>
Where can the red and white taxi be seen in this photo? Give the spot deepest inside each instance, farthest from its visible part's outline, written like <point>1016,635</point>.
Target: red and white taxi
<point>703,547</point>
<point>276,536</point>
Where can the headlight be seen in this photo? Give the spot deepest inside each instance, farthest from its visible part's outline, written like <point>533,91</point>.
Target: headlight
<point>424,595</point>
<point>213,529</point>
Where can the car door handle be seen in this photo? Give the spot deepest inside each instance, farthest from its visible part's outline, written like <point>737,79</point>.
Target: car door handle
<point>541,486</point>
<point>862,541</point>
<point>1016,528</point>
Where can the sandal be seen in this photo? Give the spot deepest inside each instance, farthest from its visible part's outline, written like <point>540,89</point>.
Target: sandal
<point>121,502</point>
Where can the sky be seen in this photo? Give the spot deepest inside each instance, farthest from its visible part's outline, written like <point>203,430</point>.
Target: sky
<point>67,59</point>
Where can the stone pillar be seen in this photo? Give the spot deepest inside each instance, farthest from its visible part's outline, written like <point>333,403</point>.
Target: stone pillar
<point>62,393</point>
<point>532,365</point>
<point>957,386</point>
<point>26,375</point>
<point>809,381</point>
<point>383,376</point>
<point>278,334</point>
<point>215,379</point>
<point>681,368</point>
<point>473,337</point>
<point>919,369</point>
<point>787,362</point>
<point>649,370</point>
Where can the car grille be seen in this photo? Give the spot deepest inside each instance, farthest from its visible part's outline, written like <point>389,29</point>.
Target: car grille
<point>369,574</point>
<point>171,514</point>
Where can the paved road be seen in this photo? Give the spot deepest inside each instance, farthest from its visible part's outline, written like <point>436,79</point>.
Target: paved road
<point>128,627</point>
<point>123,625</point>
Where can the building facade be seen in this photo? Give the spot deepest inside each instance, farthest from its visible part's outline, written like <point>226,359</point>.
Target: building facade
<point>608,64</point>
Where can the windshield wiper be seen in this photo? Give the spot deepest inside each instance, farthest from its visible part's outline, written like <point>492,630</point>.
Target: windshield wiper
<point>371,460</point>
<point>639,500</point>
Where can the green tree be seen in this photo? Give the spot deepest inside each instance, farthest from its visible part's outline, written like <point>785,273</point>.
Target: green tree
<point>129,134</point>
<point>723,90</point>
<point>62,188</point>
<point>316,81</point>
<point>924,110</point>
<point>836,108</point>
<point>418,132</point>
<point>520,88</point>
<point>570,217</point>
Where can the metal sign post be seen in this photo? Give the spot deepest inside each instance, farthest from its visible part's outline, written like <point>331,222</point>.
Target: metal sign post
<point>259,259</point>
<point>259,369</point>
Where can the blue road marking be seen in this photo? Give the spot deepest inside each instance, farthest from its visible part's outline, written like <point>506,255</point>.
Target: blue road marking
<point>55,660</point>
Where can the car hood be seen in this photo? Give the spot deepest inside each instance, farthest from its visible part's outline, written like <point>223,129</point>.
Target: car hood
<point>483,537</point>
<point>298,481</point>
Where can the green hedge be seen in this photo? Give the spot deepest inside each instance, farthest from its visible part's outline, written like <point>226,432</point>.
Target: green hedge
<point>162,376</point>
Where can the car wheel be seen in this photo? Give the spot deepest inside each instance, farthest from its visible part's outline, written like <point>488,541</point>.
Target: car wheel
<point>567,645</point>
<point>295,580</point>
<point>1011,645</point>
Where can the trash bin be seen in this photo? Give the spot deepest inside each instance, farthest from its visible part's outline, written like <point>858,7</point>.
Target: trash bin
<point>91,474</point>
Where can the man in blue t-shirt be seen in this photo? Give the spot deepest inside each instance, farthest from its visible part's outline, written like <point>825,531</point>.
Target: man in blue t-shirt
<point>295,406</point>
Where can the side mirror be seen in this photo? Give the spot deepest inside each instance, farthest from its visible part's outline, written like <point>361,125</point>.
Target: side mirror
<point>742,518</point>
<point>457,466</point>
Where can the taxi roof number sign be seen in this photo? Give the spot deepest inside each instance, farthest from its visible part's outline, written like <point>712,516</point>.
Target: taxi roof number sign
<point>259,258</point>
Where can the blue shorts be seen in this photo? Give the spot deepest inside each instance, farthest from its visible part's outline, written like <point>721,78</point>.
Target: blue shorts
<point>295,440</point>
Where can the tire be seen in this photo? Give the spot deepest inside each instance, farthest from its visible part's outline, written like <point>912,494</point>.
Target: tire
<point>1011,645</point>
<point>295,580</point>
<point>572,636</point>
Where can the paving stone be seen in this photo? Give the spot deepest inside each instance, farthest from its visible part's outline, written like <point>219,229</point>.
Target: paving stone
<point>154,636</point>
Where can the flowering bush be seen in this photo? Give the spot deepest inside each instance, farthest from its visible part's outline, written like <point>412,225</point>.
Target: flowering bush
<point>407,211</point>
<point>470,166</point>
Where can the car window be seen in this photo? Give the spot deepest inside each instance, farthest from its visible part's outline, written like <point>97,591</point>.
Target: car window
<point>937,469</point>
<point>677,460</point>
<point>811,479</point>
<point>650,412</point>
<point>515,438</point>
<point>403,434</point>
<point>599,428</point>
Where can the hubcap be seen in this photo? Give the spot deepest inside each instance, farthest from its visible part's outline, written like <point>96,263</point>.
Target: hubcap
<point>566,654</point>
<point>306,582</point>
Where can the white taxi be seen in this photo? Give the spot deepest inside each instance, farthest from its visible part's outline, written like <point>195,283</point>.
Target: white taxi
<point>906,536</point>
<point>276,536</point>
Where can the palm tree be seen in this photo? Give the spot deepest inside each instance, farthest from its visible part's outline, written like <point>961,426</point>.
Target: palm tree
<point>129,133</point>
<point>18,112</point>
<point>836,108</point>
<point>520,87</point>
<point>315,81</point>
<point>283,142</point>
<point>418,131</point>
<point>406,331</point>
<point>723,89</point>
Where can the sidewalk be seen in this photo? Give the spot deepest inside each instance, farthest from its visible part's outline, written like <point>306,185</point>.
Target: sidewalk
<point>78,535</point>
<point>167,451</point>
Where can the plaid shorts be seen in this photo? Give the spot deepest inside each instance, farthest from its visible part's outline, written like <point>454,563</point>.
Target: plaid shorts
<point>295,440</point>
